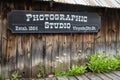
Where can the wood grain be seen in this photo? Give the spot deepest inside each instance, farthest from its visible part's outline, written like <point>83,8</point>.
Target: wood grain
<point>4,44</point>
<point>76,49</point>
<point>48,55</point>
<point>72,78</point>
<point>92,76</point>
<point>0,37</point>
<point>102,76</point>
<point>118,33</point>
<point>64,51</point>
<point>117,72</point>
<point>84,77</point>
<point>112,76</point>
<point>55,52</point>
<point>62,78</point>
<point>100,37</point>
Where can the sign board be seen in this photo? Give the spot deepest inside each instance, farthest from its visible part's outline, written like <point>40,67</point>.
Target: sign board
<point>20,21</point>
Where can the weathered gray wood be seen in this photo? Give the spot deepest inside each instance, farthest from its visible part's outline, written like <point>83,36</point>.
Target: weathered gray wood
<point>48,78</point>
<point>88,44</point>
<point>60,58</point>
<point>72,78</point>
<point>62,78</point>
<point>118,33</point>
<point>117,73</point>
<point>55,52</point>
<point>26,39</point>
<point>41,79</point>
<point>4,48</point>
<point>92,76</point>
<point>37,54</point>
<point>76,49</point>
<point>110,36</point>
<point>112,76</point>
<point>79,78</point>
<point>102,76</point>
<point>84,77</point>
<point>64,52</point>
<point>113,33</point>
<point>20,56</point>
<point>0,37</point>
<point>54,78</point>
<point>100,37</point>
<point>48,56</point>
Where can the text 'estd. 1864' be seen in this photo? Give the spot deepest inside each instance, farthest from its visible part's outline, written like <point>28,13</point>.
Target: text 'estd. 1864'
<point>20,21</point>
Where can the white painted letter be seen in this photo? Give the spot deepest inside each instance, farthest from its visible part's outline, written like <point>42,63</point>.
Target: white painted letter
<point>35,18</point>
<point>46,25</point>
<point>28,17</point>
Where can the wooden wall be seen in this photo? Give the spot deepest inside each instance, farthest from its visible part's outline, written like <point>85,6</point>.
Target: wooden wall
<point>27,53</point>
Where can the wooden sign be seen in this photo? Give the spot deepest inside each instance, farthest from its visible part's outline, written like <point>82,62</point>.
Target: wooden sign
<point>20,21</point>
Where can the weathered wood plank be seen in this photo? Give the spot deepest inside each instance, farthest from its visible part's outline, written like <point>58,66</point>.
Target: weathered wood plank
<point>26,44</point>
<point>102,76</point>
<point>88,43</point>
<point>72,78</point>
<point>20,56</point>
<point>112,33</point>
<point>76,49</point>
<point>64,52</point>
<point>109,31</point>
<point>100,37</point>
<point>112,76</point>
<point>61,64</point>
<point>118,32</point>
<point>41,79</point>
<point>0,36</point>
<point>4,44</point>
<point>82,77</point>
<point>55,52</point>
<point>54,78</point>
<point>62,78</point>
<point>48,56</point>
<point>117,73</point>
<point>37,55</point>
<point>48,78</point>
<point>92,76</point>
<point>79,78</point>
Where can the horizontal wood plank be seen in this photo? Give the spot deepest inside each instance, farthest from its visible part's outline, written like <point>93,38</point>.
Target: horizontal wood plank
<point>117,73</point>
<point>72,78</point>
<point>92,76</point>
<point>62,78</point>
<point>79,78</point>
<point>102,76</point>
<point>112,76</point>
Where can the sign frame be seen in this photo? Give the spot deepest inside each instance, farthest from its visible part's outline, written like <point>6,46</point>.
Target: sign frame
<point>20,21</point>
